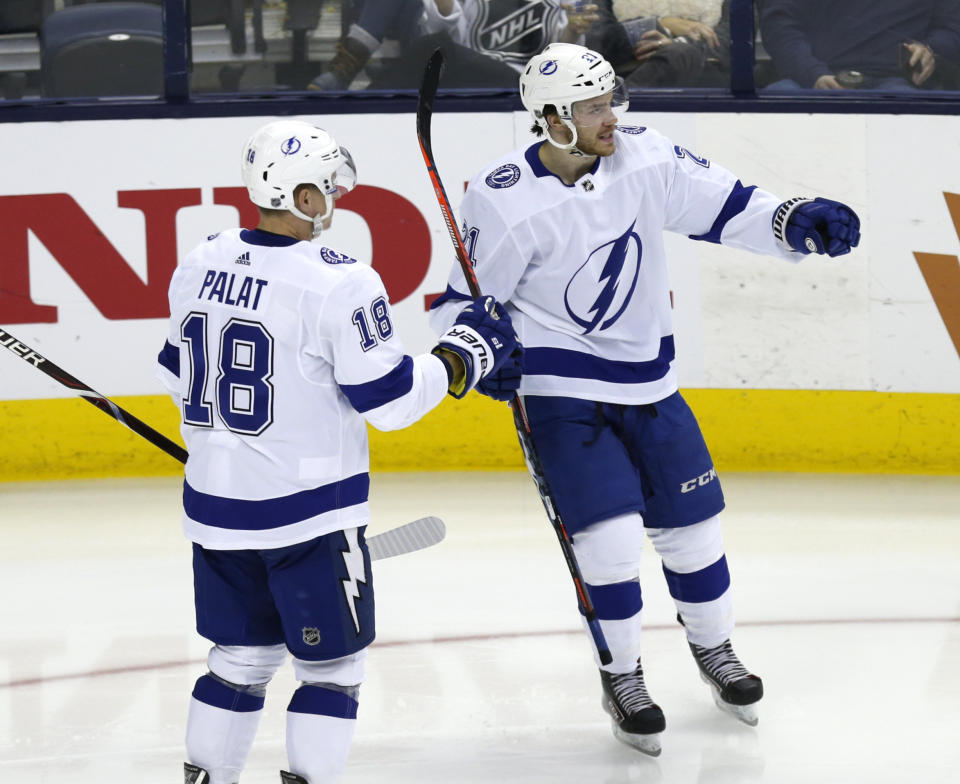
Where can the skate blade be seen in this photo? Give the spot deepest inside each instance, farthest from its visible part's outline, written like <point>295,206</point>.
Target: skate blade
<point>745,713</point>
<point>648,744</point>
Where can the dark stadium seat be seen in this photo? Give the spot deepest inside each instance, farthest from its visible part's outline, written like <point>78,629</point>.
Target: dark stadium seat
<point>103,49</point>
<point>230,13</point>
<point>23,16</point>
<point>20,22</point>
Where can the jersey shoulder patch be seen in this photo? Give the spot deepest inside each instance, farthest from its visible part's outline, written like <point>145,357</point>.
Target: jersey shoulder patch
<point>333,257</point>
<point>633,130</point>
<point>503,176</point>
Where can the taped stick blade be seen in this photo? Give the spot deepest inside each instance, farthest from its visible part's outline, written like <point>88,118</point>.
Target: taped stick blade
<point>422,533</point>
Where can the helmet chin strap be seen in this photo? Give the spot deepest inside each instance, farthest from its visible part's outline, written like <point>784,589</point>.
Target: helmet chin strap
<point>317,220</point>
<point>571,146</point>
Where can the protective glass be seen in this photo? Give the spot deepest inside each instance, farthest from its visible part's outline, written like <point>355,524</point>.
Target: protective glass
<point>596,111</point>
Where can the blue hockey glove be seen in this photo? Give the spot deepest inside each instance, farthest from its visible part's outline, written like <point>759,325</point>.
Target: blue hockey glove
<point>817,226</point>
<point>504,382</point>
<point>483,339</point>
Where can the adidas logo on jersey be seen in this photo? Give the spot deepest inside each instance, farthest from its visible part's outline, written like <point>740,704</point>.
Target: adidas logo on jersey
<point>243,258</point>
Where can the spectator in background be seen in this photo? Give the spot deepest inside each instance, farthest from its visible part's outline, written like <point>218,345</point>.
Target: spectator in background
<point>658,43</point>
<point>487,41</point>
<point>375,20</point>
<point>861,44</point>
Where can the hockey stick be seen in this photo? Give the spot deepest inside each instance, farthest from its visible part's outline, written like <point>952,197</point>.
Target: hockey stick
<point>428,91</point>
<point>106,405</point>
<point>425,532</point>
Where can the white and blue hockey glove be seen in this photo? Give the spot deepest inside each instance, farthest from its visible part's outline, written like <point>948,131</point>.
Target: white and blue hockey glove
<point>502,384</point>
<point>816,226</point>
<point>482,338</point>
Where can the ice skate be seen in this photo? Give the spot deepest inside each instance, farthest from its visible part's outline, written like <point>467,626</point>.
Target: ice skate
<point>194,775</point>
<point>637,720</point>
<point>292,778</point>
<point>735,690</point>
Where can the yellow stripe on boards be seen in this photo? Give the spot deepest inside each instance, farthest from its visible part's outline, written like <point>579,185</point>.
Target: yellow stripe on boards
<point>70,439</point>
<point>746,430</point>
<point>837,431</point>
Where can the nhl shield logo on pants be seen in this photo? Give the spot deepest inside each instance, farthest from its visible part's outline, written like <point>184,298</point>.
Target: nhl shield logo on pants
<point>311,635</point>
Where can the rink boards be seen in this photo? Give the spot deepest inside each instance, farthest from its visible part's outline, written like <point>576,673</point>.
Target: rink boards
<point>847,365</point>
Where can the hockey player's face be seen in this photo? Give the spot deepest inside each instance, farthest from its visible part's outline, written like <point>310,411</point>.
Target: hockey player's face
<point>595,122</point>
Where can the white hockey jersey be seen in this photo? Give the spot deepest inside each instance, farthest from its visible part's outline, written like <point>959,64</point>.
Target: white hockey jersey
<point>582,268</point>
<point>278,354</point>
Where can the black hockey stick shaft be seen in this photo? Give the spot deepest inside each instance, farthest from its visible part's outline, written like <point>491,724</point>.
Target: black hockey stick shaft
<point>107,406</point>
<point>428,91</point>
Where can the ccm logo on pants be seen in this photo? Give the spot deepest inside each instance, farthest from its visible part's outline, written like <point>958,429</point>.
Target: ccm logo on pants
<point>692,484</point>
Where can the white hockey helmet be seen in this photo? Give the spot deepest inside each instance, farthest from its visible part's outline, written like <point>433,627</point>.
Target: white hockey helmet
<point>284,154</point>
<point>563,74</point>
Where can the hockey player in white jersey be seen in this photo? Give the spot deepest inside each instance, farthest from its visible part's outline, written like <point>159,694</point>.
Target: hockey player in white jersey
<point>568,234</point>
<point>280,351</point>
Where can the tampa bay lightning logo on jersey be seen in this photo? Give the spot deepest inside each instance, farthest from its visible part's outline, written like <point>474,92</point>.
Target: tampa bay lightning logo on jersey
<point>332,257</point>
<point>504,177</point>
<point>635,130</point>
<point>290,146</point>
<point>599,292</point>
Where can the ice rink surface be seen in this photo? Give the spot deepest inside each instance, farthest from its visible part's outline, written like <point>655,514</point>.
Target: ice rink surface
<point>847,597</point>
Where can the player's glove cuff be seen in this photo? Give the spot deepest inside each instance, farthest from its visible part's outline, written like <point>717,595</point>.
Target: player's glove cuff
<point>473,350</point>
<point>816,226</point>
<point>456,371</point>
<point>781,220</point>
